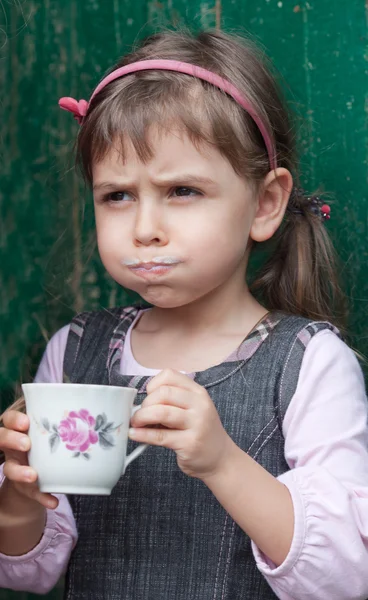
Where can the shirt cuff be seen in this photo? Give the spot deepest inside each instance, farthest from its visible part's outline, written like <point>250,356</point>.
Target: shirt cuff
<point>264,564</point>
<point>49,533</point>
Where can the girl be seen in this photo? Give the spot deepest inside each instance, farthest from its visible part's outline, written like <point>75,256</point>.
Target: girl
<point>189,152</point>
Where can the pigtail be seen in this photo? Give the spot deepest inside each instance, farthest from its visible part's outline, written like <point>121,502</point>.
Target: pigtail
<point>300,277</point>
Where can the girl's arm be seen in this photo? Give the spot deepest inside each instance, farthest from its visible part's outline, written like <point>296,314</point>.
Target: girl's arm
<point>260,504</point>
<point>39,570</point>
<point>186,421</point>
<point>326,446</point>
<point>35,544</point>
<point>309,526</point>
<point>22,521</point>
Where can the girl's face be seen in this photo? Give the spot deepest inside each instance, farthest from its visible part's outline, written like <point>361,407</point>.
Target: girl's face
<point>176,228</point>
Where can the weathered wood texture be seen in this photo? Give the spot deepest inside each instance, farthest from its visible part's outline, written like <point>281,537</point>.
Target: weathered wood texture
<point>50,48</point>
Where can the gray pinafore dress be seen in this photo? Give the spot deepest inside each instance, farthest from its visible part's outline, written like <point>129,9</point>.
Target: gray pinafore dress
<point>162,535</point>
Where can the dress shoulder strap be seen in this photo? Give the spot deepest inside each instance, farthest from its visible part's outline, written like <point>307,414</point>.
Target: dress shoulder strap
<point>90,342</point>
<point>290,340</point>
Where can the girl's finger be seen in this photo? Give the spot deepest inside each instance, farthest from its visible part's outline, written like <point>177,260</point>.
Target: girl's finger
<point>24,480</point>
<point>167,438</point>
<point>20,458</point>
<point>171,377</point>
<point>13,440</point>
<point>160,414</point>
<point>14,471</point>
<point>168,394</point>
<point>46,500</point>
<point>13,419</point>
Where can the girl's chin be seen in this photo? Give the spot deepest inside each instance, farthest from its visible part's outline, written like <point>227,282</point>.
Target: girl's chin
<point>163,302</point>
<point>165,297</point>
<point>161,295</point>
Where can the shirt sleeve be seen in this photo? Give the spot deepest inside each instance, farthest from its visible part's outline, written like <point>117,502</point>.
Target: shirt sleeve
<point>39,570</point>
<point>326,448</point>
<point>50,369</point>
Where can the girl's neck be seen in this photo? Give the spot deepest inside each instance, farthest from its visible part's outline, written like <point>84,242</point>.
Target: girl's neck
<point>197,336</point>
<point>227,311</point>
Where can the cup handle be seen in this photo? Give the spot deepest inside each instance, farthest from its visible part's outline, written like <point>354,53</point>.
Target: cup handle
<point>137,451</point>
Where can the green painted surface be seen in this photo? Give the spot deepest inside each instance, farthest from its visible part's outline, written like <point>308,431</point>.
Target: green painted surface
<point>49,268</point>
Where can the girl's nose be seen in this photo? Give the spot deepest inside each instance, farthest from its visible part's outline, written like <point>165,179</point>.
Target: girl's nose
<point>149,228</point>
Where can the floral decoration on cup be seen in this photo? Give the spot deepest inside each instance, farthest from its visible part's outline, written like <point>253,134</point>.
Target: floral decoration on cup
<point>79,431</point>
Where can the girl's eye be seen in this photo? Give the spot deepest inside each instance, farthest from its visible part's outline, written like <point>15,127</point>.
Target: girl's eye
<point>183,192</point>
<point>117,197</point>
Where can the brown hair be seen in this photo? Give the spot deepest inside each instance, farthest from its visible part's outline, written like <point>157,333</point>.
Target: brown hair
<point>299,277</point>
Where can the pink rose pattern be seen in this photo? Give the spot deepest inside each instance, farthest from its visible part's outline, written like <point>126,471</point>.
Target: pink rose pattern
<point>79,431</point>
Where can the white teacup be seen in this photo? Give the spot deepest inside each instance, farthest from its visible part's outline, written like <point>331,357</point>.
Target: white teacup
<point>79,435</point>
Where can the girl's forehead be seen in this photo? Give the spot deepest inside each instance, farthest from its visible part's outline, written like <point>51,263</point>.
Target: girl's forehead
<point>169,148</point>
<point>175,160</point>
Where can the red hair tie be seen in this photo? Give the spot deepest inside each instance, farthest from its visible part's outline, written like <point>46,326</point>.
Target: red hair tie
<point>78,109</point>
<point>326,212</point>
<point>300,203</point>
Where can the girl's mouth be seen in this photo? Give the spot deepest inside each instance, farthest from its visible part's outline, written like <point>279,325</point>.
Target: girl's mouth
<point>157,267</point>
<point>152,270</point>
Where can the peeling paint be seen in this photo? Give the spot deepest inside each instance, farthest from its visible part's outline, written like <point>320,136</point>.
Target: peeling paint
<point>307,70</point>
<point>117,24</point>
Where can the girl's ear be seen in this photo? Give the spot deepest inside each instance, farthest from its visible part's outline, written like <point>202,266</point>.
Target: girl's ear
<point>272,201</point>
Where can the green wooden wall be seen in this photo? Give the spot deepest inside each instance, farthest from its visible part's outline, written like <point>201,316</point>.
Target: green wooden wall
<point>50,48</point>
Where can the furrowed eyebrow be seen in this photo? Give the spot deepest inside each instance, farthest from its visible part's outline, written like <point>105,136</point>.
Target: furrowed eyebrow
<point>107,185</point>
<point>184,178</point>
<point>180,179</point>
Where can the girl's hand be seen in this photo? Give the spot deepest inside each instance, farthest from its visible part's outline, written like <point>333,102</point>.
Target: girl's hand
<point>15,443</point>
<point>187,421</point>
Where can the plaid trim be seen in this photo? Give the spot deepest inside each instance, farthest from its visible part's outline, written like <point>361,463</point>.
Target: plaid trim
<point>139,382</point>
<point>245,351</point>
<point>117,341</point>
<point>305,335</point>
<point>77,329</point>
<point>78,324</point>
<point>76,332</point>
<point>125,317</point>
<point>253,341</point>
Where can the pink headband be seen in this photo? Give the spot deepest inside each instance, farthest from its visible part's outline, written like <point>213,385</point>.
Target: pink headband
<point>79,109</point>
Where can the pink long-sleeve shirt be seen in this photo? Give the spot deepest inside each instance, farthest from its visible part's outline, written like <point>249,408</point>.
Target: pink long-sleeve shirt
<point>326,448</point>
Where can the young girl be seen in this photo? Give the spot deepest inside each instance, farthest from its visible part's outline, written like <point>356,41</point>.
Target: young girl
<point>256,482</point>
